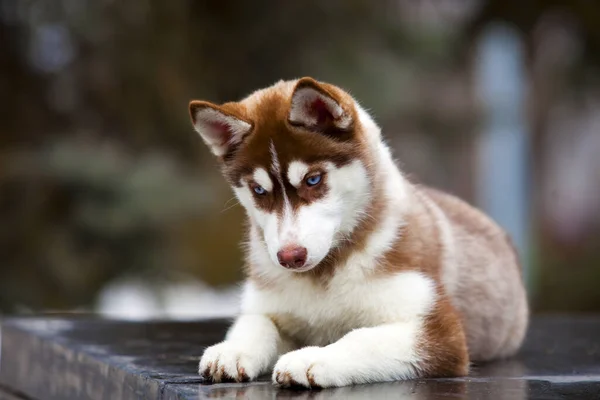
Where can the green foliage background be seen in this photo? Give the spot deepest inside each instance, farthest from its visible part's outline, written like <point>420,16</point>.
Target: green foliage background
<point>102,176</point>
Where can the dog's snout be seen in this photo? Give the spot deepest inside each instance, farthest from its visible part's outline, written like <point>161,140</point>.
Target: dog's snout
<point>292,257</point>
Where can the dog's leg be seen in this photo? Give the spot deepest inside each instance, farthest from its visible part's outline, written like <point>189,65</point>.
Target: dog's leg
<point>429,346</point>
<point>250,348</point>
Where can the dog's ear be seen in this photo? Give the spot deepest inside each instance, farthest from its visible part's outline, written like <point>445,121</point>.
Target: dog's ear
<point>220,129</point>
<point>317,106</point>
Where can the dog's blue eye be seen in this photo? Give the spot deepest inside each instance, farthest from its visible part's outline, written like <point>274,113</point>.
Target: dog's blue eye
<point>259,190</point>
<point>313,180</point>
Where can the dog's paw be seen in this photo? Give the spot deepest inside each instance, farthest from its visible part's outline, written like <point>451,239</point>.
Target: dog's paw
<point>310,367</point>
<point>230,361</point>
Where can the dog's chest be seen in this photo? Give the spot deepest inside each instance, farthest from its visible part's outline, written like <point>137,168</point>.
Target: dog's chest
<point>315,315</point>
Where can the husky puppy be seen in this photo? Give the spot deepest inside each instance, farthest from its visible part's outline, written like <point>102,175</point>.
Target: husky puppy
<point>354,274</point>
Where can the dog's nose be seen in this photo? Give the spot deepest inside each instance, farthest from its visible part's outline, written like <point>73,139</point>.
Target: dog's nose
<point>292,257</point>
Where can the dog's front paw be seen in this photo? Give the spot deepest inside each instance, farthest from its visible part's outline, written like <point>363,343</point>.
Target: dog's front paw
<point>231,361</point>
<point>310,367</point>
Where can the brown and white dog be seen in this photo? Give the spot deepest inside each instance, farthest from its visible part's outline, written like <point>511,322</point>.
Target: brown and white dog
<point>355,275</point>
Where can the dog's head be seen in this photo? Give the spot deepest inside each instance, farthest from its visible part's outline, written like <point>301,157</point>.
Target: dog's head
<point>298,156</point>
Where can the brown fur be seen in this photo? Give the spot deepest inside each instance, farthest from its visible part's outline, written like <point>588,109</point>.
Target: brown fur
<point>483,290</point>
<point>443,342</point>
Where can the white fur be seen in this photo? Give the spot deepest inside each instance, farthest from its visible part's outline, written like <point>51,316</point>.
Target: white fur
<point>396,195</point>
<point>300,110</point>
<point>366,355</point>
<point>349,193</point>
<point>276,166</point>
<point>246,199</point>
<point>263,251</point>
<point>386,234</point>
<point>251,346</point>
<point>214,137</point>
<point>276,170</point>
<point>319,225</point>
<point>262,178</point>
<point>348,302</point>
<point>297,170</point>
<point>372,323</point>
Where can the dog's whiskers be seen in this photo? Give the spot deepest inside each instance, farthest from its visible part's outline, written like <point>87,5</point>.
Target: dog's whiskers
<point>229,206</point>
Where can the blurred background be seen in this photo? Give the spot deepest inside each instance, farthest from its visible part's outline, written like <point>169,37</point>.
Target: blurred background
<point>109,202</point>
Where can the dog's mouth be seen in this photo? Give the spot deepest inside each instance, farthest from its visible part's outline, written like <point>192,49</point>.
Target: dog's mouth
<point>302,269</point>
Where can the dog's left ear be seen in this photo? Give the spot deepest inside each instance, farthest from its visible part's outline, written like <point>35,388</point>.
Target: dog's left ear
<point>316,106</point>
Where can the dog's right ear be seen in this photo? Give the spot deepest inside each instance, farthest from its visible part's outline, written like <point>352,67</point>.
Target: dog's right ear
<point>316,106</point>
<point>220,129</point>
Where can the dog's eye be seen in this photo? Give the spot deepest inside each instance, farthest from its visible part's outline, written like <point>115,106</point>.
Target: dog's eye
<point>313,180</point>
<point>259,190</point>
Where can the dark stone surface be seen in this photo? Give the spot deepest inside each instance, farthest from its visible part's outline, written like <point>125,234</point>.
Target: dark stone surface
<point>99,359</point>
<point>8,394</point>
